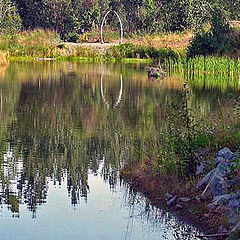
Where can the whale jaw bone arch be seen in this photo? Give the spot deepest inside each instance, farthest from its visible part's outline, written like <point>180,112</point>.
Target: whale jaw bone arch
<point>121,26</point>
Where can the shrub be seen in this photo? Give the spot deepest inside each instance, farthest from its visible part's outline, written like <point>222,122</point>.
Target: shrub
<point>216,40</point>
<point>130,50</point>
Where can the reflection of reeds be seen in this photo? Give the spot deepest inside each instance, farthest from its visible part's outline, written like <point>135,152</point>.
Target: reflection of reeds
<point>3,58</point>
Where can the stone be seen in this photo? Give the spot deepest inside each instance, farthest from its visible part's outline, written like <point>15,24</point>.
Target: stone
<point>224,154</point>
<point>184,199</point>
<point>172,201</point>
<point>198,197</point>
<point>234,203</point>
<point>232,219</point>
<point>222,199</point>
<point>168,196</point>
<point>223,169</point>
<point>230,183</point>
<point>235,232</point>
<point>205,180</point>
<point>222,229</point>
<point>216,186</point>
<point>212,206</point>
<point>200,168</point>
<point>179,206</point>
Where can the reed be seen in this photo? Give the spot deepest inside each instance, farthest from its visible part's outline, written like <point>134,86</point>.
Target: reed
<point>207,72</point>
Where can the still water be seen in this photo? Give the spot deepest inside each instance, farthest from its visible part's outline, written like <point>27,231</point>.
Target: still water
<point>66,129</point>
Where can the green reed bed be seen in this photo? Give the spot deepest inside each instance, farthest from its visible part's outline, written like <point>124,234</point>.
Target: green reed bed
<point>209,72</point>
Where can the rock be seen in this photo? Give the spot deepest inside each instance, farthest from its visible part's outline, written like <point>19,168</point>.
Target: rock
<point>224,155</point>
<point>155,72</point>
<point>233,219</point>
<point>198,198</point>
<point>212,206</point>
<point>222,230</point>
<point>223,169</point>
<point>230,183</point>
<point>222,199</point>
<point>200,168</point>
<point>179,206</point>
<point>168,196</point>
<point>215,181</point>
<point>205,180</point>
<point>172,201</point>
<point>234,203</point>
<point>216,186</point>
<point>235,233</point>
<point>184,199</point>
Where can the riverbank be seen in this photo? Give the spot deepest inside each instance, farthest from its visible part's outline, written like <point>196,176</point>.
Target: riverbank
<point>209,200</point>
<point>189,207</point>
<point>47,44</point>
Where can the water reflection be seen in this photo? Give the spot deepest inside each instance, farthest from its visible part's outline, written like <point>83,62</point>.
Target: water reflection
<point>119,96</point>
<point>56,134</point>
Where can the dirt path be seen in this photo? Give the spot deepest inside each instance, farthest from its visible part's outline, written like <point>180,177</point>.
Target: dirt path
<point>96,46</point>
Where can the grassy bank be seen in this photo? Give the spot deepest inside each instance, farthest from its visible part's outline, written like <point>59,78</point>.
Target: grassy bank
<point>47,44</point>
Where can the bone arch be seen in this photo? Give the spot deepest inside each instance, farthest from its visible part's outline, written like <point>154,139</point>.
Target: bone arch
<point>121,26</point>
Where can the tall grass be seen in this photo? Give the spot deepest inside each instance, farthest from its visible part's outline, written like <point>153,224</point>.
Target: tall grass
<point>3,57</point>
<point>208,72</point>
<point>41,43</point>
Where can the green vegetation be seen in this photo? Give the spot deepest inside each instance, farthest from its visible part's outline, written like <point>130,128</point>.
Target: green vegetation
<point>10,20</point>
<point>220,39</point>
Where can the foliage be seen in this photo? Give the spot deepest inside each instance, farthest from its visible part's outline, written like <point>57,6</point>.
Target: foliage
<point>130,50</point>
<point>10,21</point>
<point>216,40</point>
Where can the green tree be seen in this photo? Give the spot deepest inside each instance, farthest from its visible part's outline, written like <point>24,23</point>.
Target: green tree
<point>10,21</point>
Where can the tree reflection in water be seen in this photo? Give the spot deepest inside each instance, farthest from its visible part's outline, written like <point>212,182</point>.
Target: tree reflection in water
<point>55,126</point>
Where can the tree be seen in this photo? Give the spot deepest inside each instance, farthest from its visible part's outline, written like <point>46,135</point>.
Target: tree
<point>10,20</point>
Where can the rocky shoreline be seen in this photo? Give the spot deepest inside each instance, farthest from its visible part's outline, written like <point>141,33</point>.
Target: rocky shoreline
<point>217,193</point>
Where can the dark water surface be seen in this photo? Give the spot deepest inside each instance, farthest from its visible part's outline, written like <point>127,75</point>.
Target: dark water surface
<point>65,131</point>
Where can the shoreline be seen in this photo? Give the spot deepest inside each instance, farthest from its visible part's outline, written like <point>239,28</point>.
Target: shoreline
<point>191,210</point>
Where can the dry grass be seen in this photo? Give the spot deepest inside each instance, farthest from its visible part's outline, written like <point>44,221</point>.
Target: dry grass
<point>3,58</point>
<point>177,41</point>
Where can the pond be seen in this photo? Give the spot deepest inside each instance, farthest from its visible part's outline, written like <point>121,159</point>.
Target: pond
<point>66,129</point>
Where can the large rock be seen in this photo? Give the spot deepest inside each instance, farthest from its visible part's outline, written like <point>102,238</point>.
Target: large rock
<point>216,186</point>
<point>234,203</point>
<point>214,181</point>
<point>223,169</point>
<point>224,155</point>
<point>168,196</point>
<point>222,199</point>
<point>205,180</point>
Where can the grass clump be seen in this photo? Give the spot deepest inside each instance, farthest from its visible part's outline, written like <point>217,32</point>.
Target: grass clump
<point>130,50</point>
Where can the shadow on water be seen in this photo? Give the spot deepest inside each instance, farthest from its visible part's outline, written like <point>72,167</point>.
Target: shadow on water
<point>62,122</point>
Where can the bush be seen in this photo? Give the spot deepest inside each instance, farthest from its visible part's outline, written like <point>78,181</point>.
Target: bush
<point>71,37</point>
<point>216,40</point>
<point>130,50</point>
